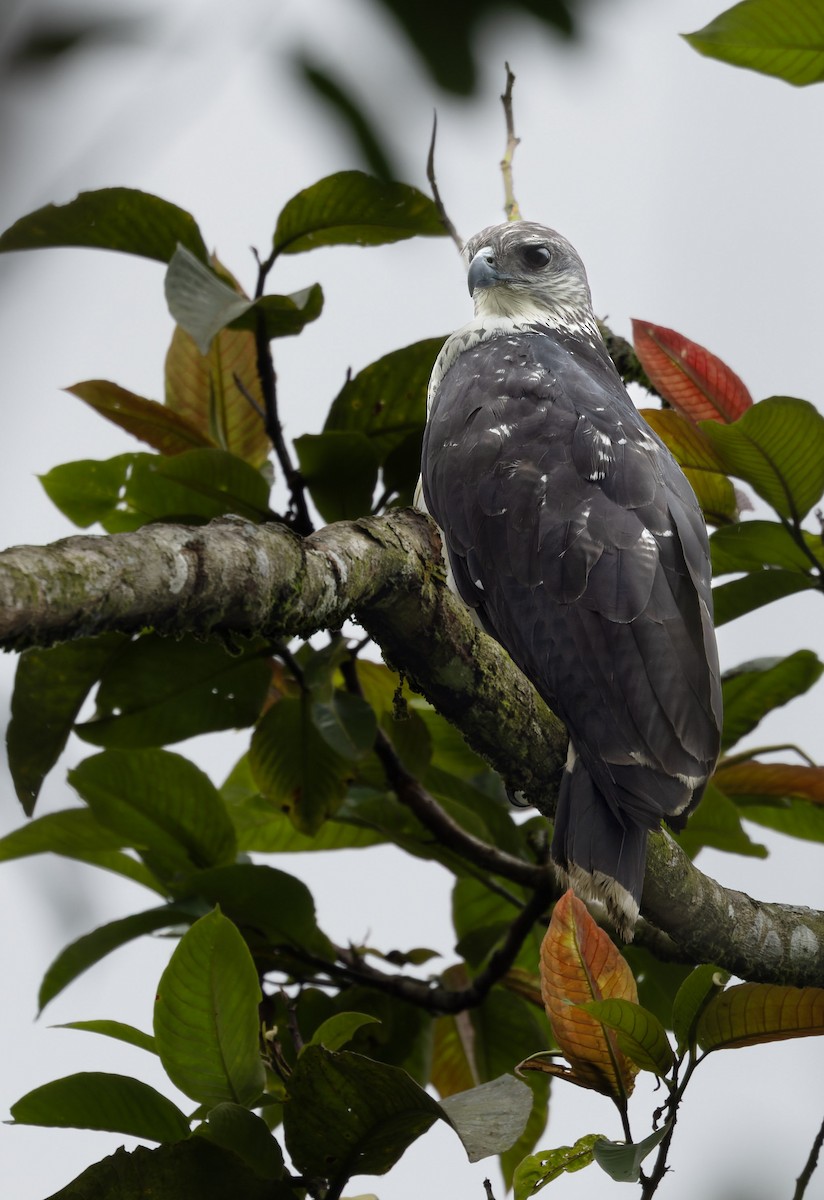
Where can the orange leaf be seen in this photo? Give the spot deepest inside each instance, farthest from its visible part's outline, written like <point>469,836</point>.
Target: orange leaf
<point>579,963</point>
<point>691,379</point>
<point>750,1013</point>
<point>154,423</point>
<point>771,779</point>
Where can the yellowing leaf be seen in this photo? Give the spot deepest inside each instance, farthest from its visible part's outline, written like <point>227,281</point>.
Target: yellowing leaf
<point>580,964</point>
<point>154,423</point>
<point>219,393</point>
<point>750,1013</point>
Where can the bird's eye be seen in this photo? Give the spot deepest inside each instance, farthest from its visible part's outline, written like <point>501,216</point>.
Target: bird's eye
<point>535,257</point>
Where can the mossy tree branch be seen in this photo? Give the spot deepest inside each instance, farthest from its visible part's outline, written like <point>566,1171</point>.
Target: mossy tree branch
<point>235,579</point>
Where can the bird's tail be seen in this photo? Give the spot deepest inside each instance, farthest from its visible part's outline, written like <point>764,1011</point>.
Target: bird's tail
<point>603,856</point>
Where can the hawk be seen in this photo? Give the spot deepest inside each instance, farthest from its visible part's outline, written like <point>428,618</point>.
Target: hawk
<point>576,540</point>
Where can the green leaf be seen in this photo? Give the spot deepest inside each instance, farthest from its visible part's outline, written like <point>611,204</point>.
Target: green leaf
<point>336,1031</point>
<point>49,689</point>
<point>262,898</point>
<point>692,998</point>
<point>784,38</point>
<point>740,596</point>
<point>75,833</point>
<point>622,1160</point>
<point>641,1036</point>
<point>206,1016</point>
<point>196,487</point>
<point>752,545</point>
<point>114,1029</point>
<point>194,1168</point>
<point>94,1100</point>
<point>83,953</point>
<point>778,448</point>
<point>161,802</point>
<point>716,822</point>
<point>295,767</point>
<point>157,691</point>
<point>202,304</point>
<point>750,1013</point>
<point>796,818</point>
<point>351,208</point>
<point>156,424</point>
<point>244,1133</point>
<point>87,490</point>
<point>536,1171</point>
<point>490,1118</point>
<point>506,1029</point>
<point>401,1035</point>
<point>109,219</point>
<point>756,688</point>
<point>347,1115</point>
<point>347,723</point>
<point>260,826</point>
<point>341,471</point>
<point>386,401</point>
<point>125,492</point>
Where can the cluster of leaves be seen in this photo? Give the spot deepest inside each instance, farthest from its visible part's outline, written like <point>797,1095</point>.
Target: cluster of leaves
<point>607,1037</point>
<point>256,1003</point>
<point>260,1020</point>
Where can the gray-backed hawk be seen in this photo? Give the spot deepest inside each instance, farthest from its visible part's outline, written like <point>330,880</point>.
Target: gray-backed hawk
<point>576,539</point>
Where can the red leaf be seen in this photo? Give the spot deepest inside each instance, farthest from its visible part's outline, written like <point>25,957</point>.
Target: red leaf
<point>691,379</point>
<point>752,778</point>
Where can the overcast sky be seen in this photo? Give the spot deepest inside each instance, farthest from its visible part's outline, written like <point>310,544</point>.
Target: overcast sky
<point>692,192</point>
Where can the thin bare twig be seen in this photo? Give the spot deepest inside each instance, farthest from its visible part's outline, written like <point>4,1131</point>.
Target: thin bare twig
<point>511,206</point>
<point>490,1195</point>
<point>300,520</point>
<point>436,195</point>
<point>810,1165</point>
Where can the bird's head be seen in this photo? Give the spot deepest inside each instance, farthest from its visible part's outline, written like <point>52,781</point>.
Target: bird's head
<point>527,272</point>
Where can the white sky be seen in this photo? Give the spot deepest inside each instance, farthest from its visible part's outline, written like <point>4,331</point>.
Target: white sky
<point>692,192</point>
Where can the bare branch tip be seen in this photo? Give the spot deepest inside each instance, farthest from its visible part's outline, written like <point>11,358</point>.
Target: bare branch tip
<point>433,183</point>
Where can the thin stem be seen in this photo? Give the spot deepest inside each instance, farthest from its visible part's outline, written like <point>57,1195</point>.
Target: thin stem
<point>747,755</point>
<point>436,195</point>
<point>810,1165</point>
<point>448,833</point>
<point>300,519</point>
<point>511,206</point>
<point>649,1183</point>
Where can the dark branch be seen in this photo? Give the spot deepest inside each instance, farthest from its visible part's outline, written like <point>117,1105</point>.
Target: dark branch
<point>433,996</point>
<point>301,521</point>
<point>436,195</point>
<point>810,1165</point>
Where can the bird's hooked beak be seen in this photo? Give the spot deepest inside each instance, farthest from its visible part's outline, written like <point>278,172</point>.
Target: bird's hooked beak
<point>482,271</point>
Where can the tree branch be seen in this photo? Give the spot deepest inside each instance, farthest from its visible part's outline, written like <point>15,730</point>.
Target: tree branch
<point>236,579</point>
<point>511,206</point>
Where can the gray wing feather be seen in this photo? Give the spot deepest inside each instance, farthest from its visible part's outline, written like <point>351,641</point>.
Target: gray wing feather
<point>573,533</point>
